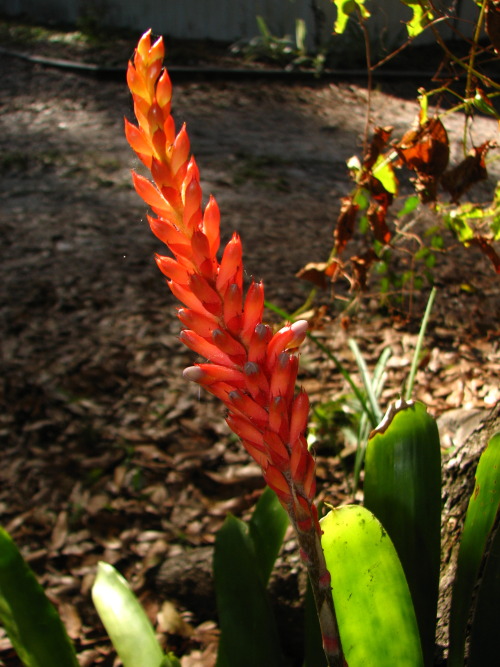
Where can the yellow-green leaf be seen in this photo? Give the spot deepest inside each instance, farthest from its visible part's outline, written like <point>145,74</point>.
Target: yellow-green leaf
<point>374,609</point>
<point>344,9</point>
<point>422,16</point>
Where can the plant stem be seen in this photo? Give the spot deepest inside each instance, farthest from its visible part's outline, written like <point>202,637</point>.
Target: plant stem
<point>314,559</point>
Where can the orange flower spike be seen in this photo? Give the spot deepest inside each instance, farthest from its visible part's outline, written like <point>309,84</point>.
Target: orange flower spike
<point>207,374</point>
<point>202,289</point>
<point>202,257</point>
<point>205,349</point>
<point>248,408</point>
<point>299,461</point>
<point>251,371</point>
<point>229,345</point>
<point>288,337</point>
<point>253,310</point>
<point>179,155</point>
<point>185,295</point>
<point>202,324</point>
<point>232,308</point>
<point>277,450</point>
<point>299,416</point>
<point>139,143</point>
<point>172,269</point>
<point>278,417</point>
<point>283,376</point>
<point>192,215</point>
<point>245,430</point>
<point>278,483</point>
<point>259,342</point>
<point>256,382</point>
<point>164,96</point>
<point>231,265</point>
<point>211,225</point>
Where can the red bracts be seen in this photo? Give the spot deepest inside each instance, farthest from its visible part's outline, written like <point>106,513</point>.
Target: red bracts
<point>250,369</point>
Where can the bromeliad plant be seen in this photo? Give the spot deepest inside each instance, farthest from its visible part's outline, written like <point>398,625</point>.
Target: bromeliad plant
<point>252,370</point>
<point>380,561</point>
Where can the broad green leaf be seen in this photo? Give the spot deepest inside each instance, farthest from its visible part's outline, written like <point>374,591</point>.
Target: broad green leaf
<point>422,15</point>
<point>267,526</point>
<point>125,620</point>
<point>403,489</point>
<point>485,638</point>
<point>479,520</point>
<point>249,637</point>
<point>31,621</point>
<point>374,609</point>
<point>314,655</point>
<point>344,9</point>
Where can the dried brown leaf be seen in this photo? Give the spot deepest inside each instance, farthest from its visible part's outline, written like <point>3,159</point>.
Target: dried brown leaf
<point>344,228</point>
<point>314,272</point>
<point>490,252</point>
<point>379,141</point>
<point>493,23</point>
<point>472,169</point>
<point>426,151</point>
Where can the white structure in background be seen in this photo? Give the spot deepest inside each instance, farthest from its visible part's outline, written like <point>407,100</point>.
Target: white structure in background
<point>224,20</point>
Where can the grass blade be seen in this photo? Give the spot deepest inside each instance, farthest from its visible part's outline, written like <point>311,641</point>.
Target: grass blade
<point>367,380</point>
<point>420,342</point>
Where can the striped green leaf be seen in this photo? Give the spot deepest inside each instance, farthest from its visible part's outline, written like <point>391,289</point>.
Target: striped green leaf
<point>403,490</point>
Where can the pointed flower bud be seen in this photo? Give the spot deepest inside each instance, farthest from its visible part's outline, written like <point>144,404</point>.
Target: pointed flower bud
<point>248,368</point>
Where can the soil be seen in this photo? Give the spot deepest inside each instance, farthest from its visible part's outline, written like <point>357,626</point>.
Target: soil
<point>107,453</point>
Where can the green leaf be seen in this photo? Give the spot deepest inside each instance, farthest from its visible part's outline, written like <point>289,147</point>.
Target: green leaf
<point>364,424</point>
<point>31,621</point>
<point>249,636</point>
<point>374,609</point>
<point>125,620</point>
<point>384,172</point>
<point>409,206</point>
<point>483,103</point>
<point>344,9</point>
<point>422,15</point>
<point>267,527</point>
<point>485,638</point>
<point>314,655</point>
<point>403,490</point>
<point>479,520</point>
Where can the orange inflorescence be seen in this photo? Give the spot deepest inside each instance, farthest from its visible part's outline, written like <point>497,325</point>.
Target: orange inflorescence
<point>252,370</point>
